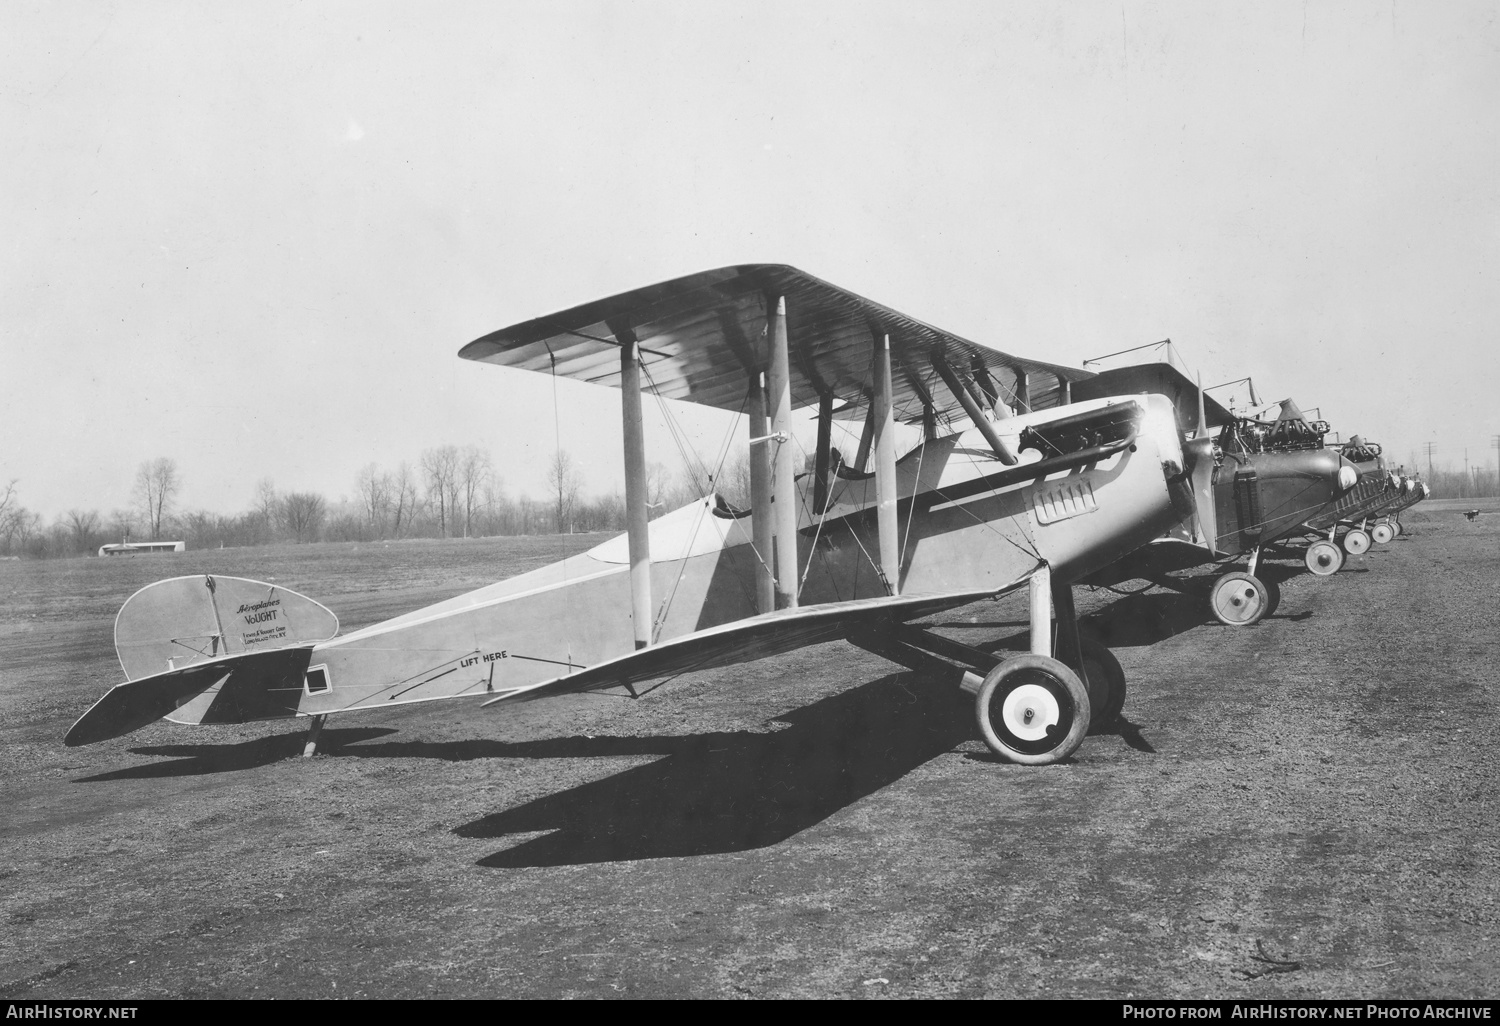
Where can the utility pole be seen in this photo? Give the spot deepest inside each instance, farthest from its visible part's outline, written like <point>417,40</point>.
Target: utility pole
<point>1495,444</point>
<point>1429,461</point>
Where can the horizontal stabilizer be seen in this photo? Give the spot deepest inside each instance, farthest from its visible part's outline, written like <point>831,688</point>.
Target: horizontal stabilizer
<point>745,640</point>
<point>254,685</point>
<point>186,620</point>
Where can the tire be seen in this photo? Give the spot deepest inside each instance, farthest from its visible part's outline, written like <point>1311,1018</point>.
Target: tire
<point>1382,533</point>
<point>1032,710</point>
<point>1324,558</point>
<point>1239,600</point>
<point>1105,682</point>
<point>1273,597</point>
<point>1356,541</point>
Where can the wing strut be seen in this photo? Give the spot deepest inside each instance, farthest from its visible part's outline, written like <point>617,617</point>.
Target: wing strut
<point>824,454</point>
<point>783,486</point>
<point>883,416</point>
<point>638,534</point>
<point>760,497</point>
<point>961,393</point>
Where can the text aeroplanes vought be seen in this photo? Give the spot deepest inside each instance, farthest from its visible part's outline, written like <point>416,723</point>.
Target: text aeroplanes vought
<point>991,500</point>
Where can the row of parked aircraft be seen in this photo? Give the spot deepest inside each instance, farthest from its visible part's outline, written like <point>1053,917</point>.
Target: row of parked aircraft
<point>1027,475</point>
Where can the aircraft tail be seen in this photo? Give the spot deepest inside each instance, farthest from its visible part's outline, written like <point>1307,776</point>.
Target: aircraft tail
<point>230,689</point>
<point>183,621</point>
<point>208,649</point>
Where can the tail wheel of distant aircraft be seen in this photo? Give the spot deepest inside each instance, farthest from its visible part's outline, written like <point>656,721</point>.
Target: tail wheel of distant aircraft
<point>1356,541</point>
<point>1033,710</point>
<point>1382,533</point>
<point>1238,599</point>
<point>1105,680</point>
<point>1324,557</point>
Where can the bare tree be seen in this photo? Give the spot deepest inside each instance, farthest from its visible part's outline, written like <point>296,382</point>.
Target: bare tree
<point>84,527</point>
<point>403,498</point>
<point>10,512</point>
<point>374,490</point>
<point>303,514</point>
<point>440,470</point>
<point>267,503</point>
<point>14,517</point>
<point>566,483</point>
<point>658,487</point>
<point>121,523</point>
<point>24,526</point>
<point>734,480</point>
<point>474,472</point>
<point>156,485</point>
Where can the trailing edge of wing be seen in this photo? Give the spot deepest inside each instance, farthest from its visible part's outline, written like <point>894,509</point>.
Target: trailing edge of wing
<point>744,640</point>
<point>701,335</point>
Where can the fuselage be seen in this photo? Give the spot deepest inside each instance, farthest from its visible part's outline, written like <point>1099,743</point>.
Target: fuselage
<point>968,523</point>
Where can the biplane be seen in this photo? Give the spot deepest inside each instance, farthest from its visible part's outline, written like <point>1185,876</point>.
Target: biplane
<point>1388,519</point>
<point>1346,526</point>
<point>1014,483</point>
<point>1262,481</point>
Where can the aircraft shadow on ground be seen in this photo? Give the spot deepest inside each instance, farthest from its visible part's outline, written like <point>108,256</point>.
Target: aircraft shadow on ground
<point>194,760</point>
<point>727,792</point>
<point>708,794</point>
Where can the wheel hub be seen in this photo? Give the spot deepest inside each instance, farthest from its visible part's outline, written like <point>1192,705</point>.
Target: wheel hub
<point>1237,601</point>
<point>1029,711</point>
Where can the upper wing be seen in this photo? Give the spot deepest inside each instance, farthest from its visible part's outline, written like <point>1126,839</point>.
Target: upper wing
<point>1162,379</point>
<point>701,335</point>
<point>744,640</point>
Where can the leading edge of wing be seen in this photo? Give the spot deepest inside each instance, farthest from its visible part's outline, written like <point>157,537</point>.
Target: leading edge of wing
<point>699,344</point>
<point>744,640</point>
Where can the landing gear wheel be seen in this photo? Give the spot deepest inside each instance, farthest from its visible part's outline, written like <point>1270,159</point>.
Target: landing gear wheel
<point>1033,710</point>
<point>1382,533</point>
<point>1356,541</point>
<point>1105,680</point>
<point>1324,557</point>
<point>1239,600</point>
<point>1273,597</point>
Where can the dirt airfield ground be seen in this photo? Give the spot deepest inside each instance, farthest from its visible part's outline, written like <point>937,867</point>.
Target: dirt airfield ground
<point>1304,808</point>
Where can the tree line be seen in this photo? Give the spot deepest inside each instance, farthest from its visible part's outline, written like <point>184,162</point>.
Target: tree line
<point>450,492</point>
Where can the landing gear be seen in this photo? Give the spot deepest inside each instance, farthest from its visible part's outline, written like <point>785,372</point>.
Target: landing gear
<point>1324,558</point>
<point>1033,710</point>
<point>1356,541</point>
<point>1104,678</point>
<point>1382,533</point>
<point>311,747</point>
<point>1273,597</point>
<point>1239,599</point>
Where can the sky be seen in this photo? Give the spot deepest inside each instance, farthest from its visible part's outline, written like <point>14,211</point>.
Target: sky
<point>253,237</point>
